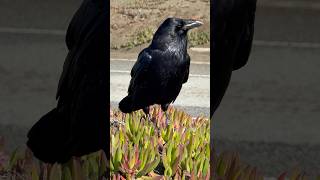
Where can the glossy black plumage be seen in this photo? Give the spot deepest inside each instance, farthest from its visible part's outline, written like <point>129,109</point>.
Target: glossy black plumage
<point>232,31</point>
<point>78,125</point>
<point>161,68</point>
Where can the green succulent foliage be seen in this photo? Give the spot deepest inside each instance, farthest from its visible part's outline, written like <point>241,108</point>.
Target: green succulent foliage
<point>133,148</point>
<point>144,150</point>
<point>141,148</point>
<point>228,166</point>
<point>22,165</point>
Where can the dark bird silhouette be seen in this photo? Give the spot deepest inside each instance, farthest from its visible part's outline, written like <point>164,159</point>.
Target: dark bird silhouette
<point>161,69</point>
<point>233,29</point>
<point>78,125</point>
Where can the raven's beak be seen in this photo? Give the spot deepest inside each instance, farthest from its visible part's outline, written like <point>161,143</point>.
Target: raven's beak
<point>190,24</point>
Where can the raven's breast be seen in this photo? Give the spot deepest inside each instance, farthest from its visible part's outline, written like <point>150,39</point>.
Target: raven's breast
<point>172,78</point>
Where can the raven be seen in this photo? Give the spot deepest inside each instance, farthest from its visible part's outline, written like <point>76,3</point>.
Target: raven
<point>161,69</point>
<point>78,125</point>
<point>233,29</point>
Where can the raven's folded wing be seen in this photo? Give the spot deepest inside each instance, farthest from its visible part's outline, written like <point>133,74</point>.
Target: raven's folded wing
<point>186,74</point>
<point>232,39</point>
<point>79,31</point>
<point>140,70</point>
<point>245,44</point>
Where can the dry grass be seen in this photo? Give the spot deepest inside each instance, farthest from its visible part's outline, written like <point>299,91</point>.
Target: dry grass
<point>133,19</point>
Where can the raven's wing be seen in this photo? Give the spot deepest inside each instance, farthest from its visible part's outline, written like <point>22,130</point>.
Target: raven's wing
<point>139,72</point>
<point>186,74</point>
<point>78,32</point>
<point>83,87</point>
<point>234,30</point>
<point>246,37</point>
<point>232,39</point>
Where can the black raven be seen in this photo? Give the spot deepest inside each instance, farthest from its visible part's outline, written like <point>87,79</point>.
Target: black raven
<point>161,69</point>
<point>233,28</point>
<point>78,125</point>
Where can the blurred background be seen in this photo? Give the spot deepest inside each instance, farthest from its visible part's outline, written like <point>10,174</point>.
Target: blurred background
<point>271,111</point>
<point>32,53</point>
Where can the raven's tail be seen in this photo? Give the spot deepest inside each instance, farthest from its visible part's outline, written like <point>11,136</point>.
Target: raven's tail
<point>48,137</point>
<point>126,105</point>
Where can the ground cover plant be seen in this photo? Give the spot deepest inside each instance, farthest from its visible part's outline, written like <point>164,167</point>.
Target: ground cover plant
<point>140,149</point>
<point>143,149</point>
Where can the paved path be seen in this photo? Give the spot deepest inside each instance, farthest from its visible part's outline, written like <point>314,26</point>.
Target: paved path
<point>195,93</point>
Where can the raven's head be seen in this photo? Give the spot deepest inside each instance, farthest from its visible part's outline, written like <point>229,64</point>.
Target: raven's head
<point>174,30</point>
<point>178,26</point>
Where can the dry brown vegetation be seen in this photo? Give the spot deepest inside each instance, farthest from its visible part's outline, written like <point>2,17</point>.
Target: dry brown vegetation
<point>134,21</point>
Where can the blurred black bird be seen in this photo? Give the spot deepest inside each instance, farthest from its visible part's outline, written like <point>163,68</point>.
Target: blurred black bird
<point>232,31</point>
<point>78,125</point>
<point>161,69</point>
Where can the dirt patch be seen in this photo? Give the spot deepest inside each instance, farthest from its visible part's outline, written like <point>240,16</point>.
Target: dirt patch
<point>133,22</point>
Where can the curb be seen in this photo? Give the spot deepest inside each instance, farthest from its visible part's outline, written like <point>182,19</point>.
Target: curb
<point>202,50</point>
